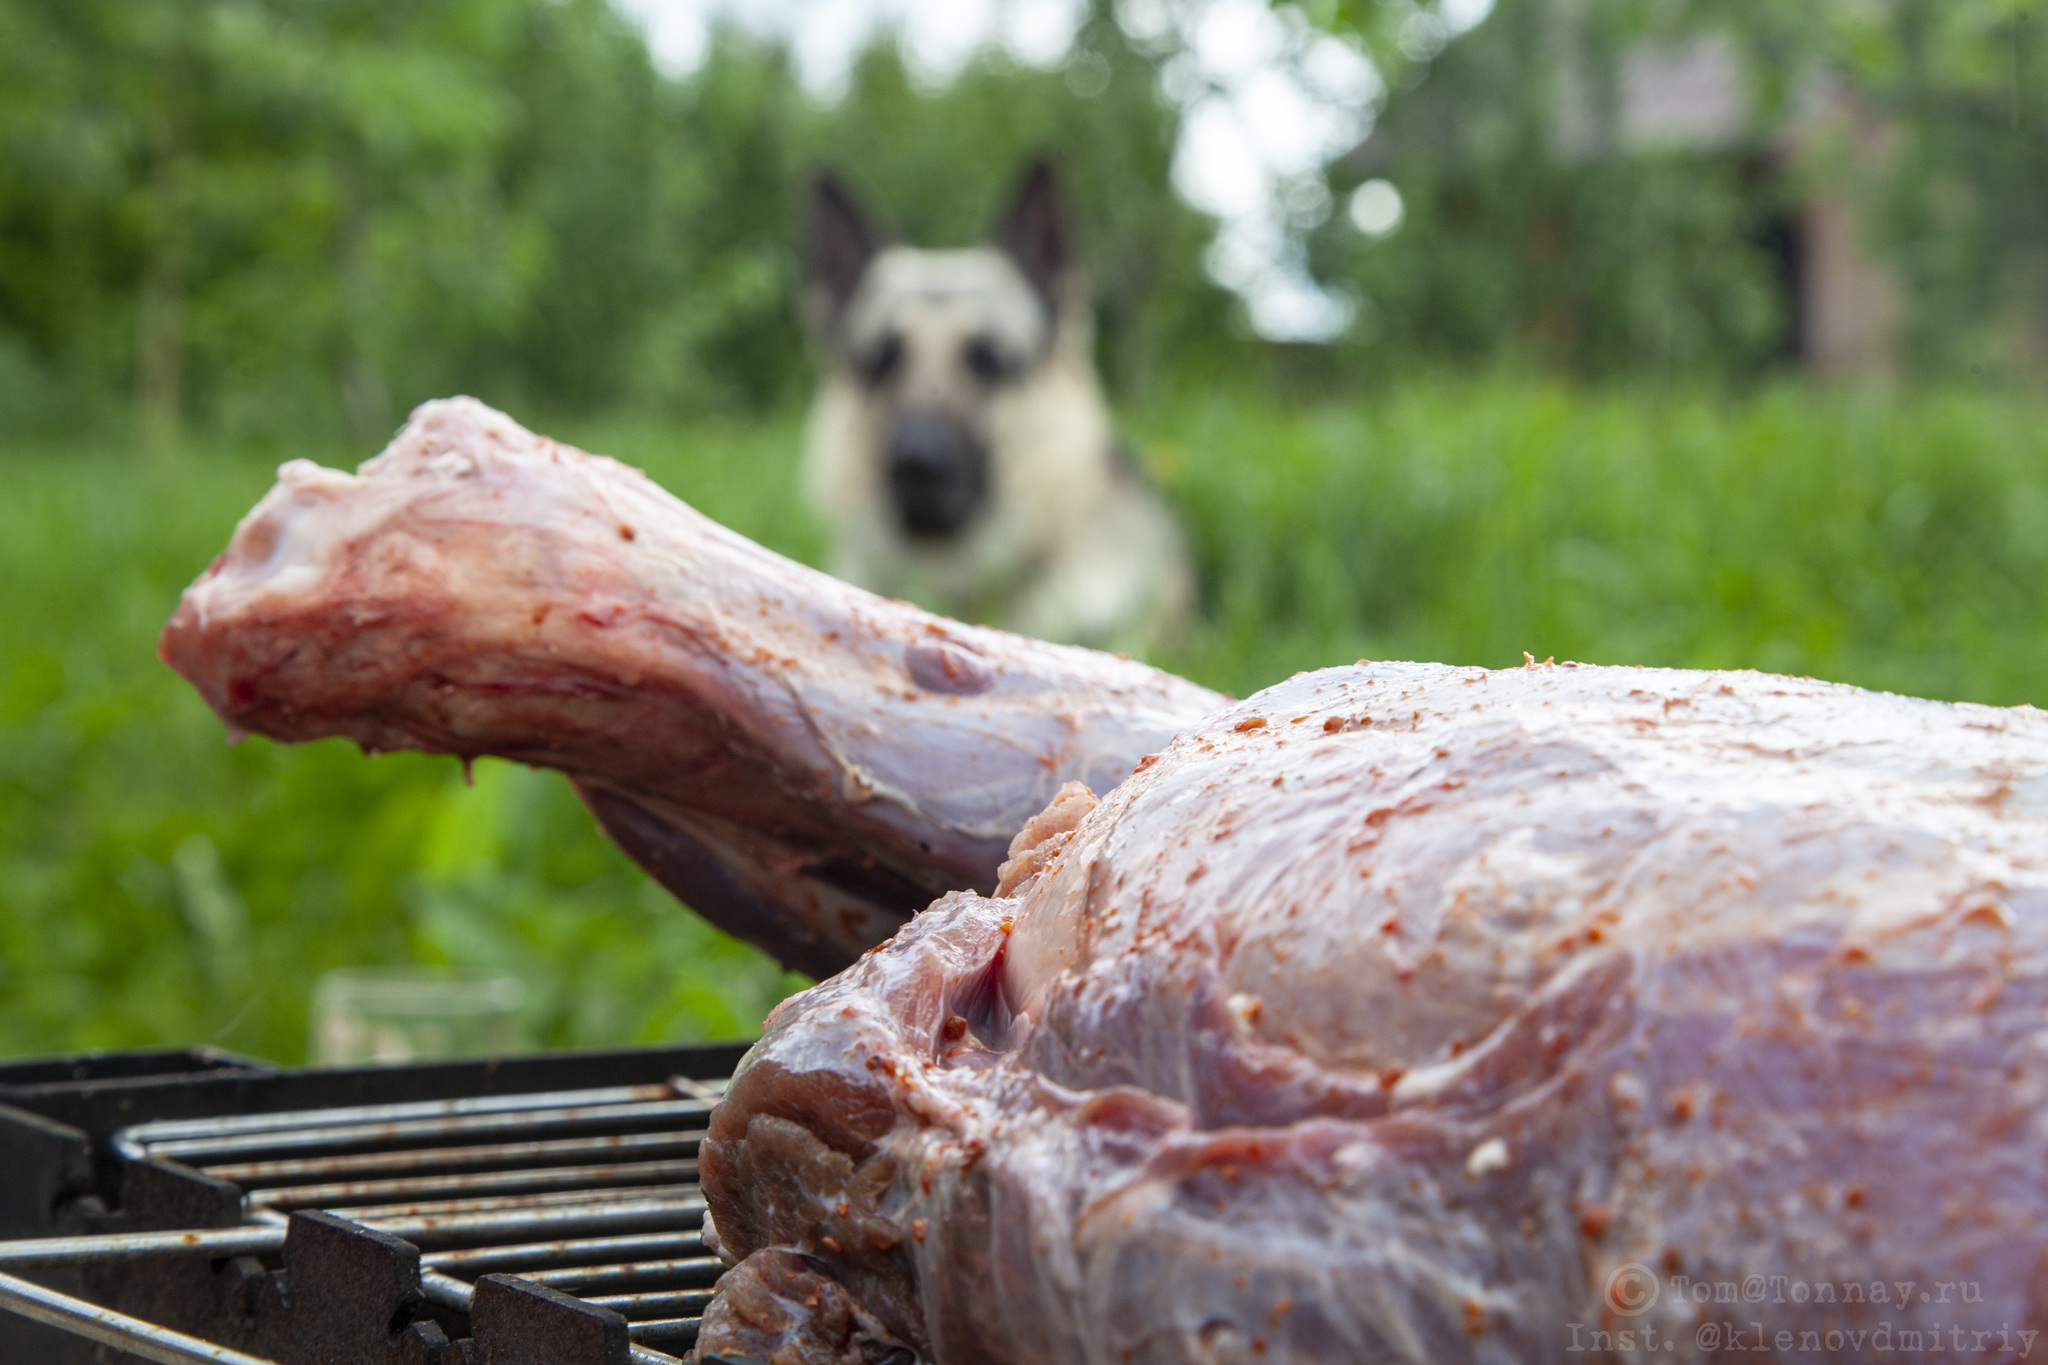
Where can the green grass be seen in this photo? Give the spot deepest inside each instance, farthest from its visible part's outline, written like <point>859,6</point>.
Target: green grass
<point>157,886</point>
<point>1895,542</point>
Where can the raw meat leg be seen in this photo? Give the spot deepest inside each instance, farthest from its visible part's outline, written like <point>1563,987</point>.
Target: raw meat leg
<point>802,762</point>
<point>1424,1014</point>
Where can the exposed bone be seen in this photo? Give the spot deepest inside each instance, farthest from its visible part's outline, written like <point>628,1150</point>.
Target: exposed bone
<point>800,761</point>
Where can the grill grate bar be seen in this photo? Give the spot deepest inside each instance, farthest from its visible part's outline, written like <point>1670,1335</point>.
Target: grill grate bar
<point>332,1135</point>
<point>436,1208</point>
<point>636,1215</point>
<point>538,1186</point>
<point>690,1302</point>
<point>446,1290</point>
<point>450,1292</point>
<point>162,1130</point>
<point>250,1174</point>
<point>124,1333</point>
<point>485,1260</point>
<point>46,1253</point>
<point>343,1194</point>
<point>570,1278</point>
<point>679,1331</point>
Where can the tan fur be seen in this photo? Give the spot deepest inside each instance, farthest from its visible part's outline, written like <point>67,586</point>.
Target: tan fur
<point>1072,545</point>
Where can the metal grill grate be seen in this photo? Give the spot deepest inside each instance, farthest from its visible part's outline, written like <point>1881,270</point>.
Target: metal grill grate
<point>592,1193</point>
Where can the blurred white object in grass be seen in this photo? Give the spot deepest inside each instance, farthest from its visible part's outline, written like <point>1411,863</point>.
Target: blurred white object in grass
<point>410,1013</point>
<point>1376,208</point>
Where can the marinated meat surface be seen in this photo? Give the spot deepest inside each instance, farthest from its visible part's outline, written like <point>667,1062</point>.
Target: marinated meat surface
<point>802,762</point>
<point>1400,1013</point>
<point>1427,1014</point>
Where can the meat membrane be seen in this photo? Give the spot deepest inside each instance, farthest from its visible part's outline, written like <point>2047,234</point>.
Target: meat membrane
<point>1426,1014</point>
<point>804,763</point>
<point>1402,1012</point>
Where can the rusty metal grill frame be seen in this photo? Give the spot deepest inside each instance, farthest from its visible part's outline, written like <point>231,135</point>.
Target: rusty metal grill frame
<point>573,1208</point>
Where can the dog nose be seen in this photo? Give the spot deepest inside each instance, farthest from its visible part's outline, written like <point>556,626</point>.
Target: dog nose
<point>938,473</point>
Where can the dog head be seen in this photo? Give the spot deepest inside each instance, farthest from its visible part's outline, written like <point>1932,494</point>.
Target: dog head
<point>932,342</point>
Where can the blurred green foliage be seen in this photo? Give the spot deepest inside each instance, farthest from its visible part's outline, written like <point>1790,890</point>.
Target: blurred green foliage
<point>256,218</point>
<point>157,886</point>
<point>1537,232</point>
<point>283,216</point>
<point>1894,541</point>
<point>1596,262</point>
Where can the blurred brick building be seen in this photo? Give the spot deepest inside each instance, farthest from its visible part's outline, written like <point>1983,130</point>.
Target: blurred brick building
<point>1694,95</point>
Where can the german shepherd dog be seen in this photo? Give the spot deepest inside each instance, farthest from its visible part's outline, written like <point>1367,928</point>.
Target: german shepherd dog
<point>960,450</point>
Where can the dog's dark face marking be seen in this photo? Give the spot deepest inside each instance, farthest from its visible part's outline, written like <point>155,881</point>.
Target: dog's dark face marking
<point>933,338</point>
<point>936,457</point>
<point>938,473</point>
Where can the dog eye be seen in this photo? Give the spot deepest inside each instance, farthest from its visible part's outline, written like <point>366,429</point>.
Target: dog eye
<point>984,360</point>
<point>882,361</point>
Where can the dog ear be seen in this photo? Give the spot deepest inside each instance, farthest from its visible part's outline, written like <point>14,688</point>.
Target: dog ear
<point>839,246</point>
<point>1034,232</point>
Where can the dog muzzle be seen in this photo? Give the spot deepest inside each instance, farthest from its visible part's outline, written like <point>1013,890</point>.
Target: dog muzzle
<point>938,474</point>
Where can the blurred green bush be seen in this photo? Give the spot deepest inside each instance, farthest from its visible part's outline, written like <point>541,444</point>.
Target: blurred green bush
<point>1897,541</point>
<point>1539,230</point>
<point>157,886</point>
<point>268,217</point>
<point>265,217</point>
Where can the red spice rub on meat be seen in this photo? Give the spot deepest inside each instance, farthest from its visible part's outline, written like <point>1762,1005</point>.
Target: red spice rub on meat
<point>1446,1032</point>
